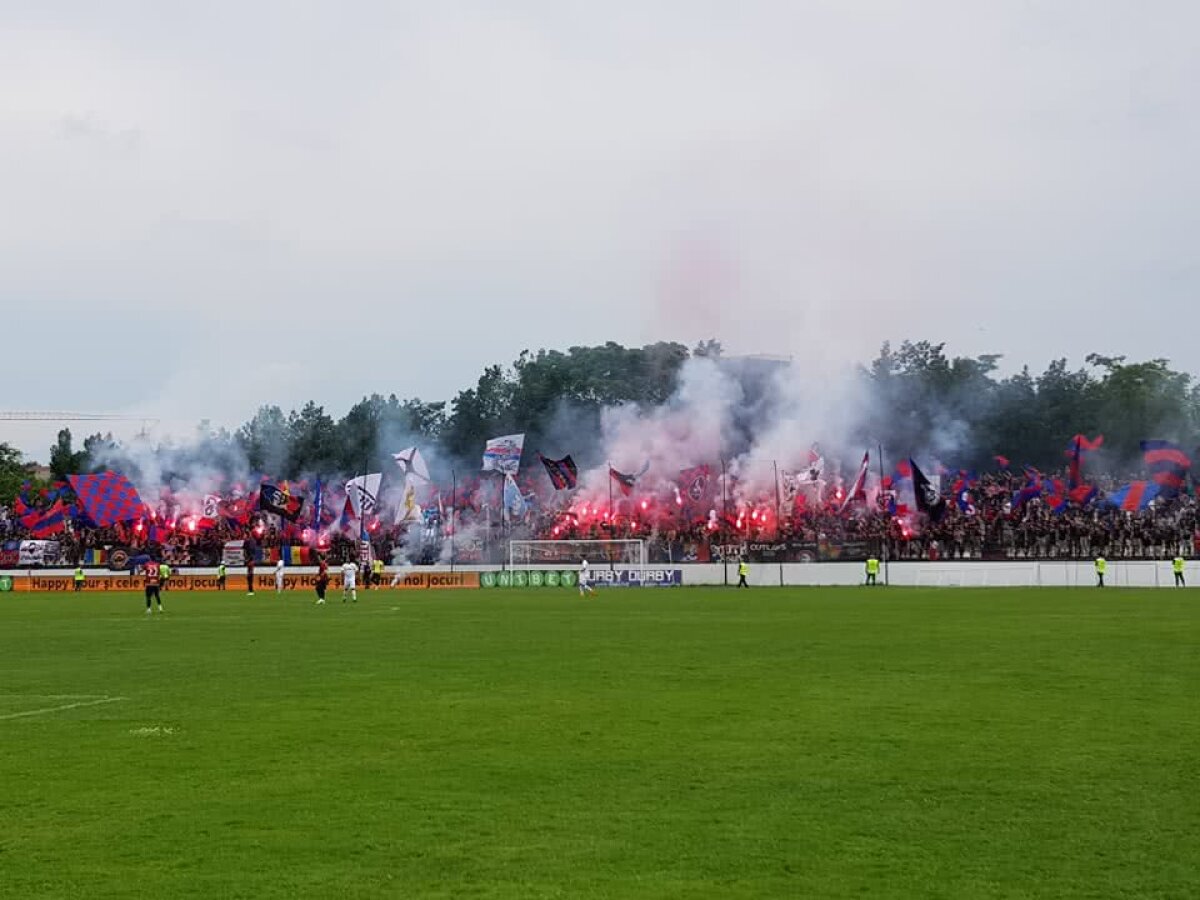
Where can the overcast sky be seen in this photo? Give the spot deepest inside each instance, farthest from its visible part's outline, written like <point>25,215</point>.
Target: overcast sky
<point>210,206</point>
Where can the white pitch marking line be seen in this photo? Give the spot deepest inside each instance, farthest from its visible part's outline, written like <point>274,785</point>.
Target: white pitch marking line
<point>53,709</point>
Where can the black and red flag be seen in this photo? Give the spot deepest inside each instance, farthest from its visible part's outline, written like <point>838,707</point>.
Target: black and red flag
<point>929,501</point>
<point>280,502</point>
<point>624,482</point>
<point>563,472</point>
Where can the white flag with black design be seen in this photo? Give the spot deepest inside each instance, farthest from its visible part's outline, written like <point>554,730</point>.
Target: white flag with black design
<point>363,492</point>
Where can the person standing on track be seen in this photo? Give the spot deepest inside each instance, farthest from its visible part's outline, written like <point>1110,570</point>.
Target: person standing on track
<point>279,576</point>
<point>743,571</point>
<point>1177,565</point>
<point>152,577</point>
<point>872,570</point>
<point>249,572</point>
<point>1101,565</point>
<point>164,574</point>
<point>349,582</point>
<point>221,573</point>
<point>79,577</point>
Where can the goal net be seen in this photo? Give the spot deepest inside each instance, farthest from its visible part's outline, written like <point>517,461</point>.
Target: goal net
<point>625,554</point>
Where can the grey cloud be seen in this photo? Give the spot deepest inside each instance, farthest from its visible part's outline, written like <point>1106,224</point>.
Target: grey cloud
<point>802,178</point>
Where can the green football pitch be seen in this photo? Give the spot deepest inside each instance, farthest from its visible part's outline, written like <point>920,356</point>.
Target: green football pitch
<point>647,743</point>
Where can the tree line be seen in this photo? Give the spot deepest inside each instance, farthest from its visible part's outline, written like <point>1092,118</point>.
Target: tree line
<point>917,399</point>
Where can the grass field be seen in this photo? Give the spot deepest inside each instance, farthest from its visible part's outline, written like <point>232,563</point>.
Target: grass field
<point>687,743</point>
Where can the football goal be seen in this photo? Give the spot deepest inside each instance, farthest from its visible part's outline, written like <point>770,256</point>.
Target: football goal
<point>624,554</point>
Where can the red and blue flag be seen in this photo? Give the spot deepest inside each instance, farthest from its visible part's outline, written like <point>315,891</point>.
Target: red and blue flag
<point>107,498</point>
<point>1168,464</point>
<point>1135,496</point>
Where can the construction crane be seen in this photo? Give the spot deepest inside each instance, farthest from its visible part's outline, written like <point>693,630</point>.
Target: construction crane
<point>61,416</point>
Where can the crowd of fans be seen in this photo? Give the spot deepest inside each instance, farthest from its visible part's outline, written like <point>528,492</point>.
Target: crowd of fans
<point>988,523</point>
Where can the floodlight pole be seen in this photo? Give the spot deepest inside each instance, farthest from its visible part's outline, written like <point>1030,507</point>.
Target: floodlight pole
<point>453,501</point>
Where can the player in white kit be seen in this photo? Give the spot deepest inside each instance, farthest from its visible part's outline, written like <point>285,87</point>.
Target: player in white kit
<point>279,577</point>
<point>584,577</point>
<point>349,581</point>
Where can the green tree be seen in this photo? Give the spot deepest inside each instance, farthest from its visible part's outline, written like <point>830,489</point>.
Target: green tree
<point>64,459</point>
<point>13,472</point>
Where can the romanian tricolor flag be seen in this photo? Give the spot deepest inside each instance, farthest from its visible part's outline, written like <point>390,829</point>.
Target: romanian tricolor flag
<point>296,555</point>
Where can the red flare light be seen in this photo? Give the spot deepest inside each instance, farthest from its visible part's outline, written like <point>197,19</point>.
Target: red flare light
<point>645,504</point>
<point>191,525</point>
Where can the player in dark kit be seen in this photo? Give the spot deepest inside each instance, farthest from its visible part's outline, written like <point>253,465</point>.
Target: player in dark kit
<point>322,583</point>
<point>152,585</point>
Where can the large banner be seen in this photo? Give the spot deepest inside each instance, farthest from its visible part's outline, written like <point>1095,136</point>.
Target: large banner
<point>520,578</point>
<point>37,553</point>
<point>792,551</point>
<point>62,584</point>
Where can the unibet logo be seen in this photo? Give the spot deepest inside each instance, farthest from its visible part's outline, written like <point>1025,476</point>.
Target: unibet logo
<point>5,583</point>
<point>567,579</point>
<point>504,579</point>
<point>520,579</point>
<point>552,579</point>
<point>535,579</point>
<point>488,579</point>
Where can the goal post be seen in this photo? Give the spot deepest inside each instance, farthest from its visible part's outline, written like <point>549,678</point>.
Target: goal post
<point>624,554</point>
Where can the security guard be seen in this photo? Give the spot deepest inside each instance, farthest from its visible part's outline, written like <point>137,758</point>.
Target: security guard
<point>1177,568</point>
<point>221,573</point>
<point>78,579</point>
<point>743,571</point>
<point>1101,565</point>
<point>377,572</point>
<point>872,570</point>
<point>164,574</point>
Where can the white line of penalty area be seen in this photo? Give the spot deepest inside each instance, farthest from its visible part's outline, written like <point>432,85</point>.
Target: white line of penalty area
<point>61,708</point>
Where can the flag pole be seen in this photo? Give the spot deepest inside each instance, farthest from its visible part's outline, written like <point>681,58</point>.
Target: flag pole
<point>885,533</point>
<point>778,516</point>
<point>724,522</point>
<point>453,501</point>
<point>612,516</point>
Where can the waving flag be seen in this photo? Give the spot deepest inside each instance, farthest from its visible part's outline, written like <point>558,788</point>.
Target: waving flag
<point>816,462</point>
<point>409,509</point>
<point>624,482</point>
<point>1002,461</point>
<point>1168,464</point>
<point>363,493</point>
<point>107,498</point>
<point>503,454</point>
<point>46,524</point>
<point>929,501</point>
<point>693,483</point>
<point>318,506</point>
<point>1134,496</point>
<point>412,463</point>
<point>858,489</point>
<point>562,472</point>
<point>278,501</point>
<point>514,501</point>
